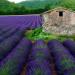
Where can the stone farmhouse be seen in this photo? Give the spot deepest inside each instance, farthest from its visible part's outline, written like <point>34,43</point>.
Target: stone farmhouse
<point>59,21</point>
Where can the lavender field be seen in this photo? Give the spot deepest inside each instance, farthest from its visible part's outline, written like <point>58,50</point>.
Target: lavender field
<point>21,56</point>
<point>23,21</point>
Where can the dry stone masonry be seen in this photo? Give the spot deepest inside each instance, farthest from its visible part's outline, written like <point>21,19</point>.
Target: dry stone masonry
<point>59,21</point>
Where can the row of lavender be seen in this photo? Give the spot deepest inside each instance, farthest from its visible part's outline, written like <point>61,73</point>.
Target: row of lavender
<point>24,21</point>
<point>14,50</point>
<point>64,59</point>
<point>63,54</point>
<point>38,62</point>
<point>9,37</point>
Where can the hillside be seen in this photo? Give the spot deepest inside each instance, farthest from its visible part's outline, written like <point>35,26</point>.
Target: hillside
<point>52,3</point>
<point>33,6</point>
<point>38,4</point>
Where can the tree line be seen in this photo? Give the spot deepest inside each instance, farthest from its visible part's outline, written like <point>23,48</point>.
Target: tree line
<point>9,8</point>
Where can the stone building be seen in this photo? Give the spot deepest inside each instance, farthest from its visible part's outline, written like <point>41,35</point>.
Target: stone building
<point>59,21</point>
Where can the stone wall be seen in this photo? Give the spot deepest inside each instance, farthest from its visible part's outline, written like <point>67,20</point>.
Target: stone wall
<point>53,23</point>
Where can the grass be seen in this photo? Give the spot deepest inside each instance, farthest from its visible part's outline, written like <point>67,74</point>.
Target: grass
<point>38,34</point>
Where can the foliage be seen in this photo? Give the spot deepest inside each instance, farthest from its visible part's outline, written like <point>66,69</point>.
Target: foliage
<point>38,34</point>
<point>32,7</point>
